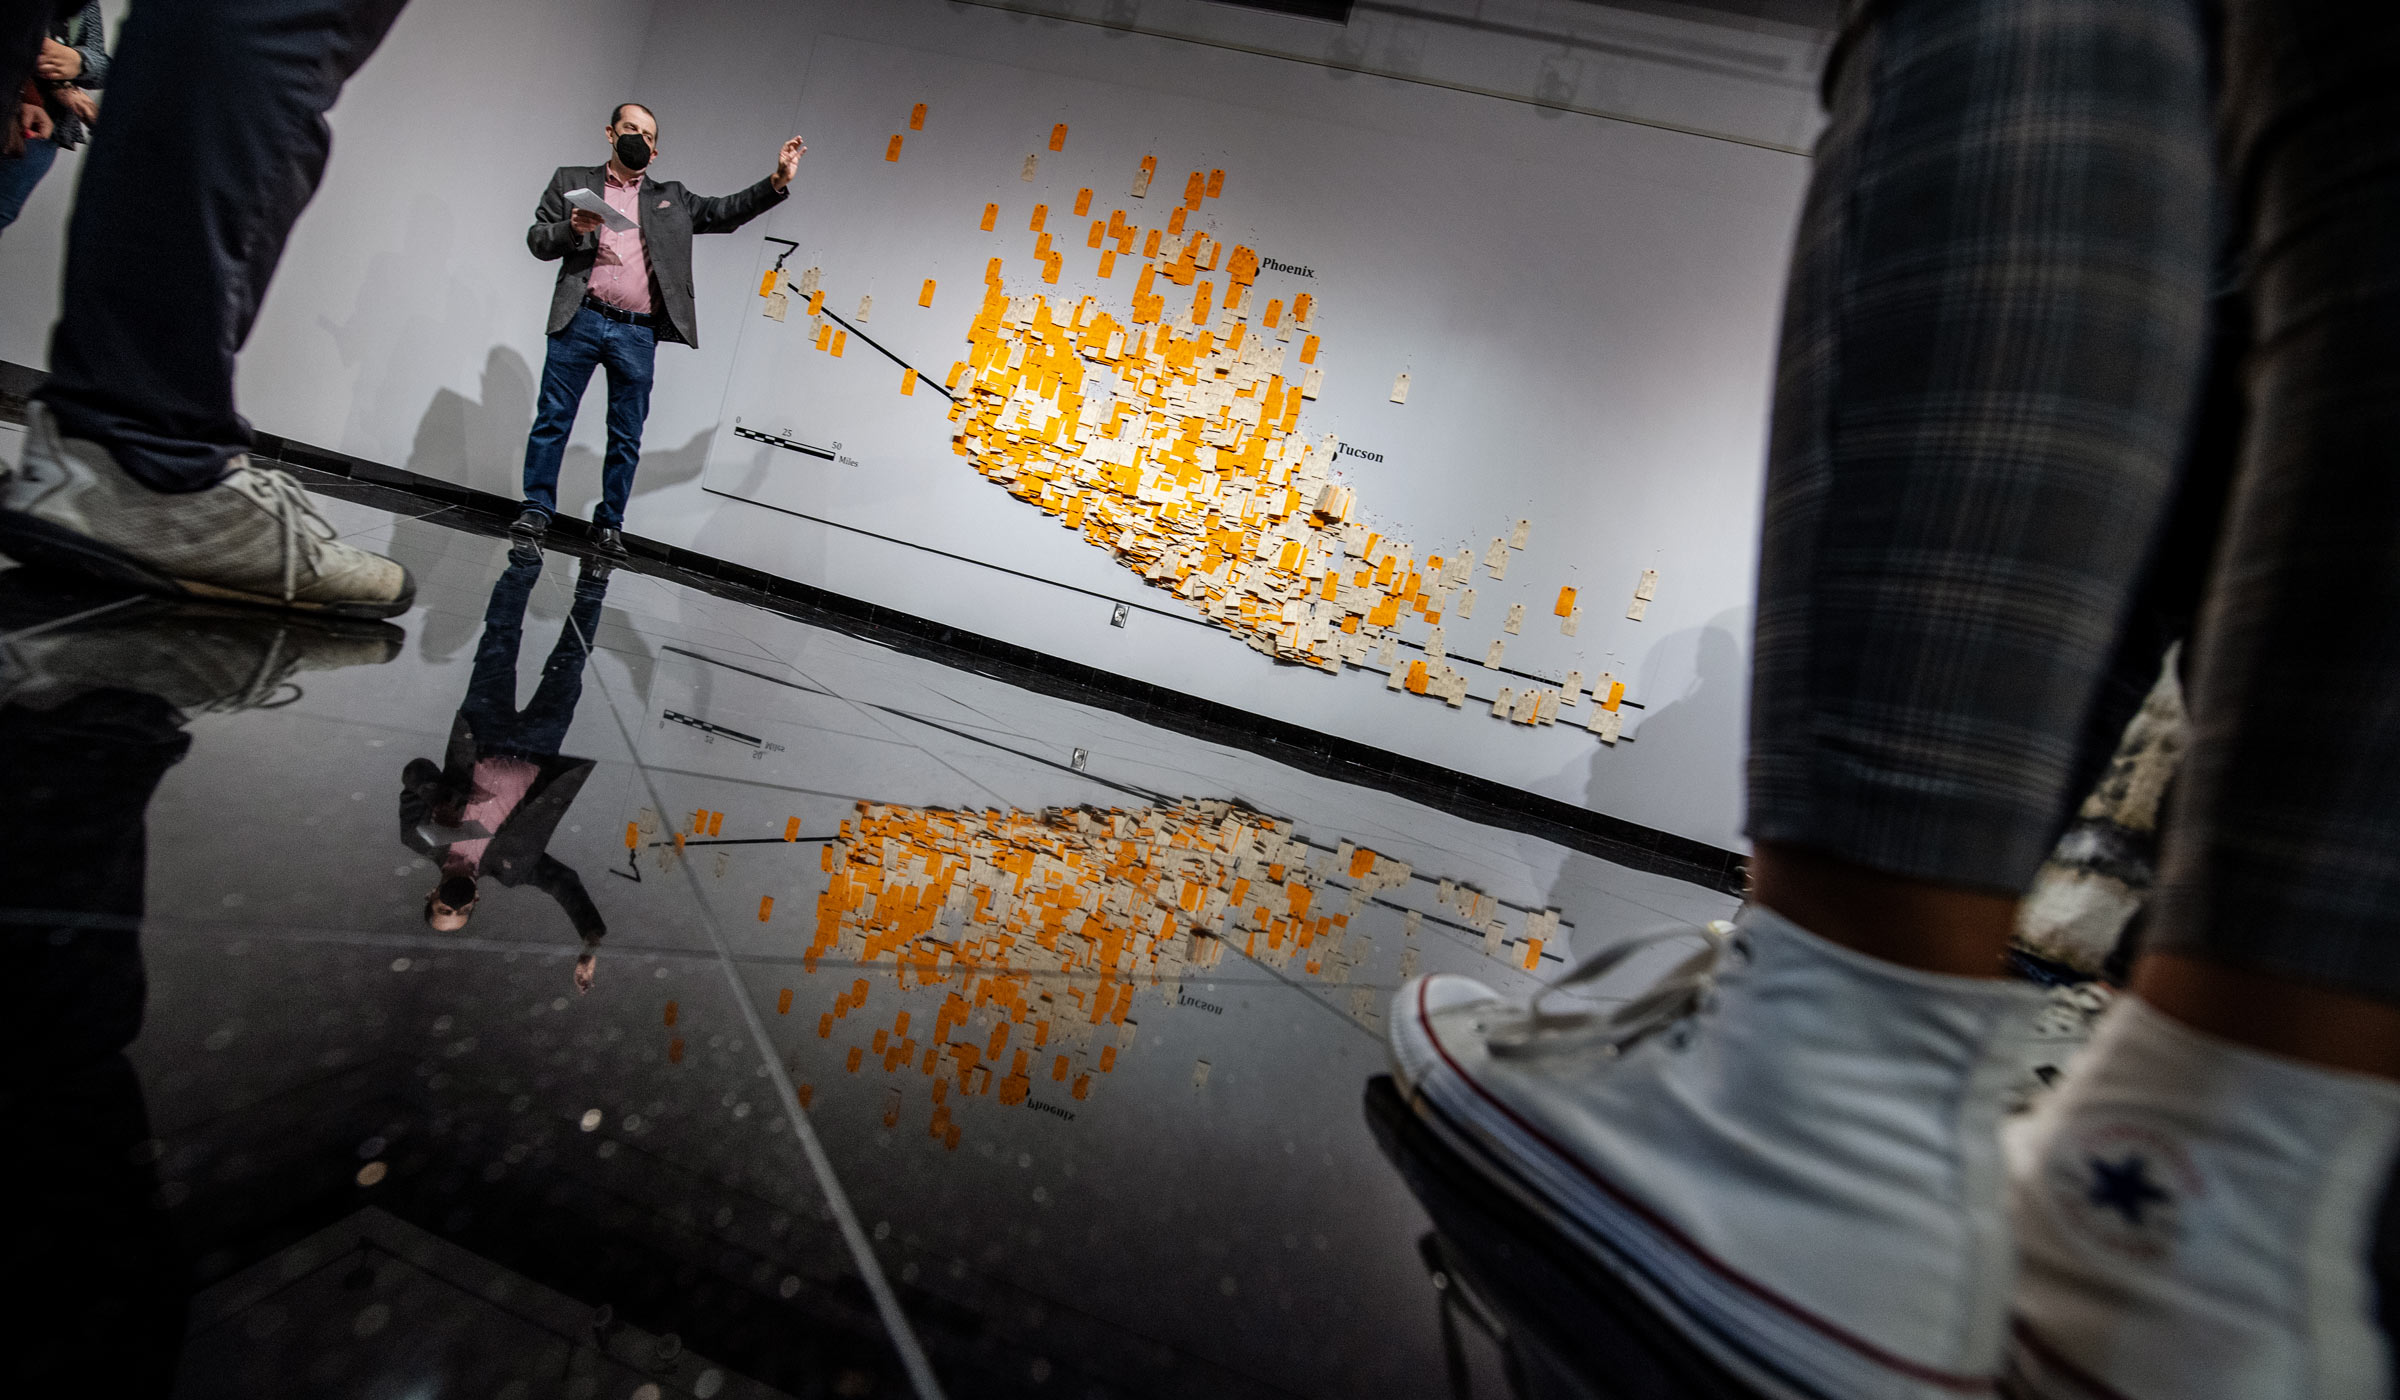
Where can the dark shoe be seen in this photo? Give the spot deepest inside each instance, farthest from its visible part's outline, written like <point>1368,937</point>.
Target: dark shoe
<point>530,525</point>
<point>595,571</point>
<point>523,551</point>
<point>610,542</point>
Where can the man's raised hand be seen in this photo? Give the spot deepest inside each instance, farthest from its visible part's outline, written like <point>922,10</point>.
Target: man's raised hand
<point>582,220</point>
<point>787,161</point>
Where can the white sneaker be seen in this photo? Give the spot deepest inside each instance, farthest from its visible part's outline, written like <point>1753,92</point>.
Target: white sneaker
<point>2195,1219</point>
<point>1787,1149</point>
<point>253,537</point>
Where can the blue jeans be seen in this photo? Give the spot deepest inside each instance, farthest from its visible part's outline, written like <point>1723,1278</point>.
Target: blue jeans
<point>589,341</point>
<point>19,176</point>
<point>490,710</point>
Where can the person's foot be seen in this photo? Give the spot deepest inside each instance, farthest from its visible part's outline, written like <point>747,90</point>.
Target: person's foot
<point>524,551</point>
<point>253,537</point>
<point>59,641</point>
<point>1788,1151</point>
<point>529,526</point>
<point>609,541</point>
<point>594,571</point>
<point>2196,1219</point>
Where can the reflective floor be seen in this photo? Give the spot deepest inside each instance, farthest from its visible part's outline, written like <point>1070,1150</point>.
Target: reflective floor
<point>727,1007</point>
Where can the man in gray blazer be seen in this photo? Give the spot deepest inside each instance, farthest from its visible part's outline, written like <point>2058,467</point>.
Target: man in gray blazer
<point>618,295</point>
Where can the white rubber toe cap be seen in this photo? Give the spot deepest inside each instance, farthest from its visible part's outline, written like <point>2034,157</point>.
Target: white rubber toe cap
<point>1442,998</point>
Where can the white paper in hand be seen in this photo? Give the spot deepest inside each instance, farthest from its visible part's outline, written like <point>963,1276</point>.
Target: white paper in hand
<point>591,203</point>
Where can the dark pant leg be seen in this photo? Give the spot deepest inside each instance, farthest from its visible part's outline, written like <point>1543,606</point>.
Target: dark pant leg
<point>542,726</point>
<point>2282,852</point>
<point>631,353</point>
<point>105,1280</point>
<point>490,708</point>
<point>1989,354</point>
<point>19,176</point>
<point>213,142</point>
<point>566,373</point>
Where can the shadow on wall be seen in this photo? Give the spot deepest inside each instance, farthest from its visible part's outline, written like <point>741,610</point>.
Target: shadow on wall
<point>480,442</point>
<point>1686,758</point>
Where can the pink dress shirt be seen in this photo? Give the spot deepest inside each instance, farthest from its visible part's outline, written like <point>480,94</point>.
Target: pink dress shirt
<point>621,277</point>
<point>501,782</point>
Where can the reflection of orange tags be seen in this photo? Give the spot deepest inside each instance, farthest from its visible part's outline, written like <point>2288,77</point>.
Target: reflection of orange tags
<point>791,829</point>
<point>766,906</point>
<point>783,1002</point>
<point>633,835</point>
<point>916,117</point>
<point>892,151</point>
<point>1058,137</point>
<point>670,1013</point>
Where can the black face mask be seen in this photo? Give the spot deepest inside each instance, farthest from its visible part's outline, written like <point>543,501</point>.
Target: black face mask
<point>632,151</point>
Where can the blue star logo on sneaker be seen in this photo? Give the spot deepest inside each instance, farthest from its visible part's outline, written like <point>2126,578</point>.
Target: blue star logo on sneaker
<point>2123,1187</point>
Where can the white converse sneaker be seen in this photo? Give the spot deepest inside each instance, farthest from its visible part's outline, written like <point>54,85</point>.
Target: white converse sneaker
<point>1787,1149</point>
<point>253,537</point>
<point>2195,1219</point>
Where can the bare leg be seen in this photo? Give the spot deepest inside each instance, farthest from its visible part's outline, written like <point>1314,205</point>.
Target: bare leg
<point>1915,923</point>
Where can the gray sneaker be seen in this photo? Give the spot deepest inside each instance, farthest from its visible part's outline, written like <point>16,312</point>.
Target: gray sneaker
<point>253,537</point>
<point>58,643</point>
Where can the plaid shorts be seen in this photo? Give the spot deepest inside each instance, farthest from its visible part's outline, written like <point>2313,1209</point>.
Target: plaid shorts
<point>1988,406</point>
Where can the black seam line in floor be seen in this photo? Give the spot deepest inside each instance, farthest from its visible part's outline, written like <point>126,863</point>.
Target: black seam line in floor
<point>1482,800</point>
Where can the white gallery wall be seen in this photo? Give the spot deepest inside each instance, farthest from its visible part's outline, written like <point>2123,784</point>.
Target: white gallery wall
<point>1587,306</point>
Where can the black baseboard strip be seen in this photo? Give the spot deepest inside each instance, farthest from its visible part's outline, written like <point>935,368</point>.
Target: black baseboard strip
<point>1330,756</point>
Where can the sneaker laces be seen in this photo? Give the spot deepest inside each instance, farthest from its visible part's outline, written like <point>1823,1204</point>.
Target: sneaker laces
<point>305,532</point>
<point>269,686</point>
<point>1685,991</point>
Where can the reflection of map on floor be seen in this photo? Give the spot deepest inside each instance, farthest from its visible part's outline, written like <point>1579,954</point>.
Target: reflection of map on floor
<point>1018,941</point>
<point>1166,431</point>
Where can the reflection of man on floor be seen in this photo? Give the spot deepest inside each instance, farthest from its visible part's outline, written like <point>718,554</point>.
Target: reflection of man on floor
<point>490,806</point>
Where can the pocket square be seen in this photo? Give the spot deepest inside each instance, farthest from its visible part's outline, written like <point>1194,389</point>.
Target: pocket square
<point>662,204</point>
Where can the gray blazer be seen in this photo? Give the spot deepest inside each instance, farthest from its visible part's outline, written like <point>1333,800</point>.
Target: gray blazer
<point>519,851</point>
<point>670,215</point>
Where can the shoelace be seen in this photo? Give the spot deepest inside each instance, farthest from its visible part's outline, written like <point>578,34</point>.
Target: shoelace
<point>304,531</point>
<point>1686,990</point>
<point>267,688</point>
